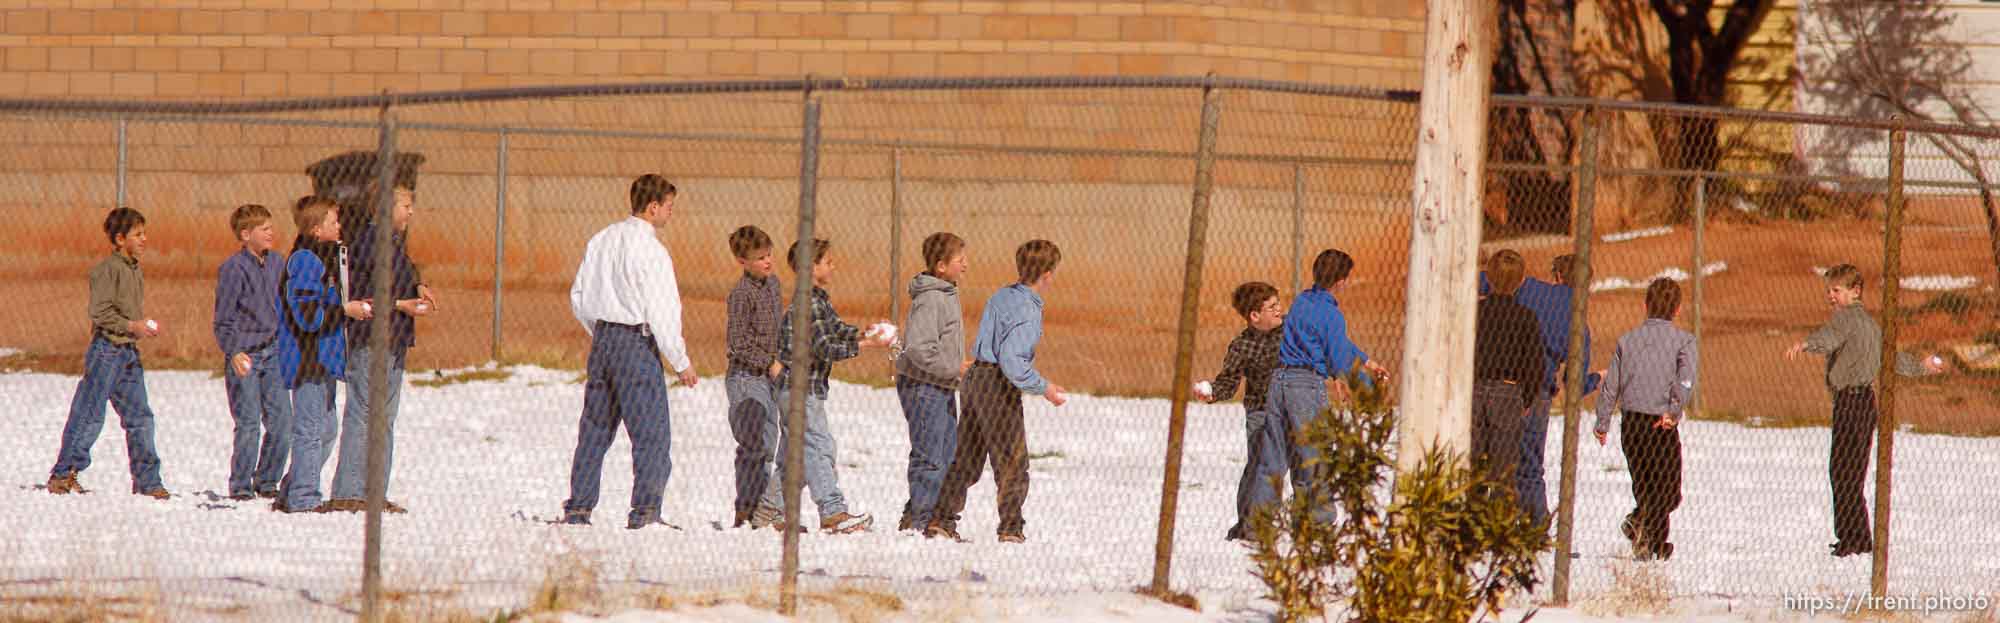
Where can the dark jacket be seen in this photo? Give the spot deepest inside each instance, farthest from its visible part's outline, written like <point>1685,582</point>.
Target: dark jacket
<point>313,343</point>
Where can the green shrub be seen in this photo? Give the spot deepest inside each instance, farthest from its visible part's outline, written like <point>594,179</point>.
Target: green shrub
<point>1449,547</point>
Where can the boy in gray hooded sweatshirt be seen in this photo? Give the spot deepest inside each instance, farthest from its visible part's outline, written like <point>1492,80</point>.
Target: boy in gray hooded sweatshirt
<point>927,373</point>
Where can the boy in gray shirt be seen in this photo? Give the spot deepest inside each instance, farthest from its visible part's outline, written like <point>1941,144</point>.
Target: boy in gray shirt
<point>1852,343</point>
<point>1651,375</point>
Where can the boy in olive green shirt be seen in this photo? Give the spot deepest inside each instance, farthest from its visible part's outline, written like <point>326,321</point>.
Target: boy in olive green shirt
<point>111,367</point>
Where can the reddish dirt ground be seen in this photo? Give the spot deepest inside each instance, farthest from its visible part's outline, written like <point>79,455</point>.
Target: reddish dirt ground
<point>1105,340</point>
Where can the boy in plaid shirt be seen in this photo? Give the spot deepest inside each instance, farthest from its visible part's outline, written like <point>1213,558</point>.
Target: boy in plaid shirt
<point>832,340</point>
<point>1252,355</point>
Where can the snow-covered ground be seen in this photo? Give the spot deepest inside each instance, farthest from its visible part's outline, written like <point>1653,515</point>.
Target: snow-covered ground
<point>478,462</point>
<point>1625,236</point>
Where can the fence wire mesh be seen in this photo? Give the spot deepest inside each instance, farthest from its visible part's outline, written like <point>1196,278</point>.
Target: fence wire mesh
<point>510,192</point>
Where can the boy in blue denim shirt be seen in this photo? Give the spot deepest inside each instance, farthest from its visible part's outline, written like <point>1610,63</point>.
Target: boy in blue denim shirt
<point>246,329</point>
<point>111,367</point>
<point>1003,369</point>
<point>1315,347</point>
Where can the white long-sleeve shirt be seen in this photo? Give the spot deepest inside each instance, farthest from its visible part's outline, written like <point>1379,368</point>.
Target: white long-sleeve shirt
<point>627,277</point>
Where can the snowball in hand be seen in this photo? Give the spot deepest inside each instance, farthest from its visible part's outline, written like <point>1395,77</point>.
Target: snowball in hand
<point>884,330</point>
<point>152,326</point>
<point>1204,388</point>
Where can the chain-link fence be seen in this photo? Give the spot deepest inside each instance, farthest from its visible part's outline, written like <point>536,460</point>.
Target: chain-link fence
<point>511,188</point>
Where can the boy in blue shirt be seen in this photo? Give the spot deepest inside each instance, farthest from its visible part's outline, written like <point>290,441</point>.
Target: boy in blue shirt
<point>1315,347</point>
<point>1003,369</point>
<point>246,329</point>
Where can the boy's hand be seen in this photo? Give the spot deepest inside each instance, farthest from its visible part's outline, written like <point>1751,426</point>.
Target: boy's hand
<point>143,328</point>
<point>415,307</point>
<point>964,366</point>
<point>424,292</point>
<point>1376,369</point>
<point>1055,395</point>
<point>1934,364</point>
<point>1793,353</point>
<point>241,362</point>
<point>358,310</point>
<point>1201,392</point>
<point>1600,436</point>
<point>687,377</point>
<point>775,369</point>
<point>1667,422</point>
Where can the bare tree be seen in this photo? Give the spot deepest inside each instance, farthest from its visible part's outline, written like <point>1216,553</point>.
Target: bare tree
<point>1700,57</point>
<point>1534,59</point>
<point>1870,58</point>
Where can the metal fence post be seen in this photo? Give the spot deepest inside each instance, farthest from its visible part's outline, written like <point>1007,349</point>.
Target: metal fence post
<point>122,166</point>
<point>795,434</point>
<point>378,369</point>
<point>1885,427</point>
<point>895,230</point>
<point>1700,227</point>
<point>1579,318</point>
<point>1204,182</point>
<point>499,235</point>
<point>1298,223</point>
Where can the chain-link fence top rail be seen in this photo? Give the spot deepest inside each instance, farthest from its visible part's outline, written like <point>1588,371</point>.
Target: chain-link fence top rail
<point>515,180</point>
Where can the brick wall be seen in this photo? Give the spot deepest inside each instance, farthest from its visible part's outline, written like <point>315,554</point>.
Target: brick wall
<point>262,48</point>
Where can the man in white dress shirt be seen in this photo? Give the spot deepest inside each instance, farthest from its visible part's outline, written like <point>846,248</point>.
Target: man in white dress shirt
<point>628,301</point>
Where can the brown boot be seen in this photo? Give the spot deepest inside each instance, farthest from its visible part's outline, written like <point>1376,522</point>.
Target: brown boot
<point>346,506</point>
<point>65,484</point>
<point>157,494</point>
<point>846,523</point>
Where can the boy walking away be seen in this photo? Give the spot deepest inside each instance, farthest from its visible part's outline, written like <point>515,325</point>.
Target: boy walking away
<point>246,329</point>
<point>111,367</point>
<point>1650,376</point>
<point>928,371</point>
<point>1003,369</point>
<point>1550,302</point>
<point>312,348</point>
<point>754,307</point>
<point>1852,344</point>
<point>629,302</point>
<point>1252,356</point>
<point>350,474</point>
<point>831,340</point>
<point>1313,347</point>
<point>1506,372</point>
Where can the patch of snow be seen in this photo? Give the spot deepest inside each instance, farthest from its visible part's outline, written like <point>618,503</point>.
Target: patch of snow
<point>1939,282</point>
<point>478,463</point>
<point>1638,233</point>
<point>1675,273</point>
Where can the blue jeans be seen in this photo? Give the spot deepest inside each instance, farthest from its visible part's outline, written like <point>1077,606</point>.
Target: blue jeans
<point>258,400</point>
<point>753,420</point>
<point>313,435</point>
<point>932,412</point>
<point>627,384</point>
<point>1257,464</point>
<point>1296,398</point>
<point>112,373</point>
<point>350,474</point>
<point>819,457</point>
<point>1530,486</point>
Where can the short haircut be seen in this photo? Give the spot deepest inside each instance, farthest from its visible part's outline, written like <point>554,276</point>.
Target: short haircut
<point>748,239</point>
<point>1331,267</point>
<point>311,210</point>
<point>941,247</point>
<point>1844,275</point>
<point>820,247</point>
<point>248,216</point>
<point>1505,271</point>
<point>650,188</point>
<point>121,221</point>
<point>1663,298</point>
<point>1251,296</point>
<point>1035,258</point>
<point>1564,269</point>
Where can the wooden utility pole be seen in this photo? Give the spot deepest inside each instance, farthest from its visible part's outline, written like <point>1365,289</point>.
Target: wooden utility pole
<point>1435,395</point>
